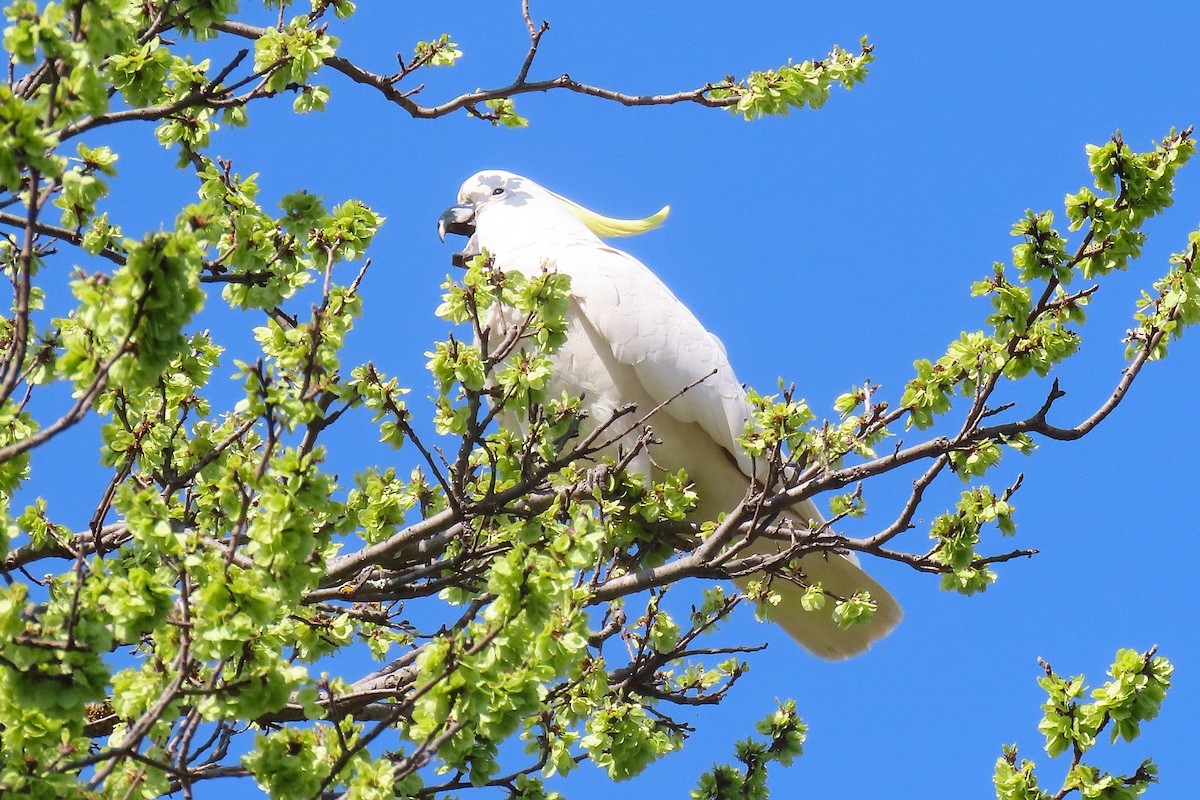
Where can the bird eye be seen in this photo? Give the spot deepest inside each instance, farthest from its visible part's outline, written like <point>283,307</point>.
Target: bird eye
<point>497,190</point>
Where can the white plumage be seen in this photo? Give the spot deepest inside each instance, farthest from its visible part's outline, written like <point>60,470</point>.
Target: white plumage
<point>630,340</point>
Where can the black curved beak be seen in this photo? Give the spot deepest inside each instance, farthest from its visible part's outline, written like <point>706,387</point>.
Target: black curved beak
<point>459,219</point>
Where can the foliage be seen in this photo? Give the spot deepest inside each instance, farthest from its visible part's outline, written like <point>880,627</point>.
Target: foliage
<point>234,569</point>
<point>1138,682</point>
<point>786,741</point>
<point>775,92</point>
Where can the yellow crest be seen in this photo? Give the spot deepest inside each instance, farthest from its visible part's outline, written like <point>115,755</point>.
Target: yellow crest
<point>607,227</point>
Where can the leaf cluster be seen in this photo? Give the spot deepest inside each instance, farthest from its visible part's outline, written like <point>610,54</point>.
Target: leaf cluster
<point>1134,693</point>
<point>775,92</point>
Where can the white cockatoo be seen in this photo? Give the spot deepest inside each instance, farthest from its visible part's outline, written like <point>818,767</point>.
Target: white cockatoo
<point>631,341</point>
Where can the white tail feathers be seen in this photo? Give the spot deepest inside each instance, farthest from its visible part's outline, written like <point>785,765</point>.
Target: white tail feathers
<point>817,631</point>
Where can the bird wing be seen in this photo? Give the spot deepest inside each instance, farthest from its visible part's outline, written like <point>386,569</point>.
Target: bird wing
<point>649,331</point>
<point>651,349</point>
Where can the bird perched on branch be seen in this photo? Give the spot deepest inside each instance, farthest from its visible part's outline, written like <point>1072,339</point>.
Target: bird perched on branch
<point>631,341</point>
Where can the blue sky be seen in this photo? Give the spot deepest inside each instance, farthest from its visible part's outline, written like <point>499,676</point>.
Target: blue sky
<point>826,248</point>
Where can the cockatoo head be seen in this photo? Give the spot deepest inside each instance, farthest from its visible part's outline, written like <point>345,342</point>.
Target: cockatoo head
<point>501,211</point>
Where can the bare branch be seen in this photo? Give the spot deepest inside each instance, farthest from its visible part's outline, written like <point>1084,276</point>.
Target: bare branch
<point>386,87</point>
<point>63,234</point>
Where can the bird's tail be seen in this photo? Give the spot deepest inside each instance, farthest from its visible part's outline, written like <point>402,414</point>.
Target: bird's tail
<point>840,577</point>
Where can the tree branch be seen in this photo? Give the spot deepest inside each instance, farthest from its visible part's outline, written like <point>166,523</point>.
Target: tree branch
<point>386,87</point>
